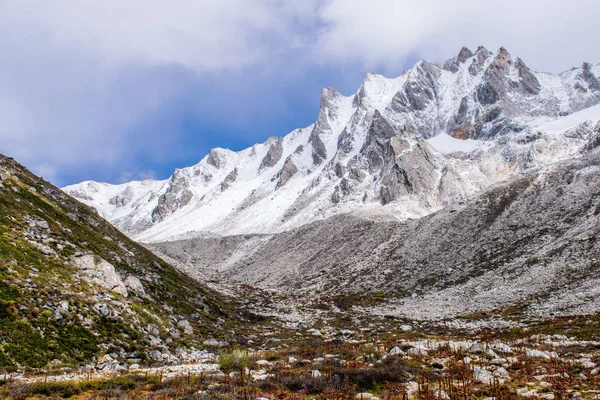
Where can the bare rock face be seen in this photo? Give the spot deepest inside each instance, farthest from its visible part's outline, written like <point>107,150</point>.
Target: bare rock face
<point>394,184</point>
<point>594,141</point>
<point>288,170</point>
<point>123,199</point>
<point>376,144</point>
<point>593,83</point>
<point>527,79</point>
<point>229,179</point>
<point>216,158</point>
<point>341,190</point>
<point>177,195</point>
<point>328,111</point>
<point>133,284</point>
<point>419,90</point>
<point>464,54</point>
<point>101,272</point>
<point>481,55</point>
<point>453,64</point>
<point>273,155</point>
<point>319,152</point>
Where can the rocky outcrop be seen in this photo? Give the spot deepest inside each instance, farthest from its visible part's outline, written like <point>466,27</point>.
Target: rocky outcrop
<point>121,200</point>
<point>374,150</point>
<point>217,158</point>
<point>288,170</point>
<point>593,83</point>
<point>101,272</point>
<point>229,179</point>
<point>527,79</point>
<point>453,64</point>
<point>594,141</point>
<point>319,152</point>
<point>177,195</point>
<point>273,155</point>
<point>340,191</point>
<point>134,285</point>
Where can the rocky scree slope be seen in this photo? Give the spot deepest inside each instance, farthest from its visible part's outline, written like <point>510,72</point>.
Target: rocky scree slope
<point>73,288</point>
<point>373,152</point>
<point>530,245</point>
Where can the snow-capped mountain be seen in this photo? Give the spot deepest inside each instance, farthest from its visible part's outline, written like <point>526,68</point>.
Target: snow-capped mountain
<point>398,148</point>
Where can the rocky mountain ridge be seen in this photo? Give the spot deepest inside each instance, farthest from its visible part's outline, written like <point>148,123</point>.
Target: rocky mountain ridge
<point>399,148</point>
<point>528,244</point>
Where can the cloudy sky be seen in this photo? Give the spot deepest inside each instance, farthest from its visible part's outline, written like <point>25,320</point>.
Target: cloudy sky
<point>116,90</point>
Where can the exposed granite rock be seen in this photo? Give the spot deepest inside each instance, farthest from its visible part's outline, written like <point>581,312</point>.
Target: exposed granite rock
<point>177,195</point>
<point>454,63</point>
<point>319,152</point>
<point>487,94</point>
<point>122,199</point>
<point>464,54</point>
<point>339,170</point>
<point>423,89</point>
<point>273,155</point>
<point>216,158</point>
<point>343,189</point>
<point>394,184</point>
<point>133,284</point>
<point>101,272</point>
<point>229,179</point>
<point>594,141</point>
<point>374,148</point>
<point>530,83</point>
<point>288,170</point>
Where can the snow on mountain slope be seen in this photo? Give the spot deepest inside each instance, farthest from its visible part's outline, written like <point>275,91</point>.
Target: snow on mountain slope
<point>399,148</point>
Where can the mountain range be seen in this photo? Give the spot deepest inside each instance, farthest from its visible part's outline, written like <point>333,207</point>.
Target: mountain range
<point>398,149</point>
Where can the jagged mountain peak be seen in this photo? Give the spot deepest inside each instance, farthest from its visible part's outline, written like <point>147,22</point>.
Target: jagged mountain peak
<point>361,149</point>
<point>464,54</point>
<point>217,157</point>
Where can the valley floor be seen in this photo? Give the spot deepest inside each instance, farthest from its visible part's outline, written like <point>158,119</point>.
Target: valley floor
<point>385,358</point>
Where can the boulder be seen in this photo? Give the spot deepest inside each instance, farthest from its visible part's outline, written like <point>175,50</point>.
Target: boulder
<point>185,326</point>
<point>133,284</point>
<point>101,272</point>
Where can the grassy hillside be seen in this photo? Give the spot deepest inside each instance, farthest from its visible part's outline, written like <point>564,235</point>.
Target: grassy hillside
<point>54,311</point>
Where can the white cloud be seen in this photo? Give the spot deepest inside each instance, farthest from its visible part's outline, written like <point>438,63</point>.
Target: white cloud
<point>205,34</point>
<point>81,82</point>
<point>549,35</point>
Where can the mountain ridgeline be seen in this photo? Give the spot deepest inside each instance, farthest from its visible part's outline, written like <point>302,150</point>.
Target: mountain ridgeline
<point>381,151</point>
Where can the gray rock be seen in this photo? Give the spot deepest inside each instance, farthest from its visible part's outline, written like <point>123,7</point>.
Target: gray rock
<point>319,152</point>
<point>100,272</point>
<point>229,179</point>
<point>185,326</point>
<point>216,158</point>
<point>288,170</point>
<point>273,155</point>
<point>177,196</point>
<point>133,284</point>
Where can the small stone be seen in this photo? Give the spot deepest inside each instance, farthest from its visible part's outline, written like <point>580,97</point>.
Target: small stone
<point>588,364</point>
